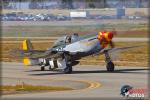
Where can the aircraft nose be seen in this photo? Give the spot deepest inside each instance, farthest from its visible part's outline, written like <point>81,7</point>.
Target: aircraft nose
<point>105,38</point>
<point>110,36</point>
<point>105,35</point>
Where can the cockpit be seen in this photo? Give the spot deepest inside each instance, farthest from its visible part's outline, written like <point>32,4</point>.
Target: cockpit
<point>68,39</point>
<point>71,38</point>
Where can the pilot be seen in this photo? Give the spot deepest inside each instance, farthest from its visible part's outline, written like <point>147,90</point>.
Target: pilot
<point>76,34</point>
<point>68,40</point>
<point>71,38</point>
<point>105,38</point>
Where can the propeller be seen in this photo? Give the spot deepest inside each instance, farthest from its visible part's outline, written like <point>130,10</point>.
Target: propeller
<point>111,33</point>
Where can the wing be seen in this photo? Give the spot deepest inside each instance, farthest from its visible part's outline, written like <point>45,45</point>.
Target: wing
<point>122,49</point>
<point>111,50</point>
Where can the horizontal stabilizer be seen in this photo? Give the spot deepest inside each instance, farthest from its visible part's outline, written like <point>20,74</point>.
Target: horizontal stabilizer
<point>30,62</point>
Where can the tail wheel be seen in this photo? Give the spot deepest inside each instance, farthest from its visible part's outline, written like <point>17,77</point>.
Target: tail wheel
<point>68,69</point>
<point>42,68</point>
<point>50,68</point>
<point>110,66</point>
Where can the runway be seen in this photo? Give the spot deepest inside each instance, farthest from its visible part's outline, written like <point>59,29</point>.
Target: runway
<point>88,81</point>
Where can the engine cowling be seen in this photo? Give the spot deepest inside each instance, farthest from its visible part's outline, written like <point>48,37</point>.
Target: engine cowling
<point>59,63</point>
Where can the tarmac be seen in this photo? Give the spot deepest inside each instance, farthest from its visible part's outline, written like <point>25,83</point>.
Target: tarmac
<point>88,81</point>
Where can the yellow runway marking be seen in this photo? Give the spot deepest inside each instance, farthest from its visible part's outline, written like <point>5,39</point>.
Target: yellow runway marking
<point>91,85</point>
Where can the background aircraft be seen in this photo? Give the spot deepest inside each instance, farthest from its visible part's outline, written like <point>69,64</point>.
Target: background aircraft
<point>67,51</point>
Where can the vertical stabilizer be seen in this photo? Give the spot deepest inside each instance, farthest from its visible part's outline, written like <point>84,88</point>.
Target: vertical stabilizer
<point>27,45</point>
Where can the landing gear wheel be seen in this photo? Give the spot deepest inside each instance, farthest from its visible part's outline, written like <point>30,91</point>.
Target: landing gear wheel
<point>42,68</point>
<point>68,70</point>
<point>110,66</point>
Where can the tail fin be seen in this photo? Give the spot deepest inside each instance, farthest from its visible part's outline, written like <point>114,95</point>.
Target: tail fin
<point>27,45</point>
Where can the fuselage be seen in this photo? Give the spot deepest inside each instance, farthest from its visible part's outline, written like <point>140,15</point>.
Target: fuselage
<point>82,48</point>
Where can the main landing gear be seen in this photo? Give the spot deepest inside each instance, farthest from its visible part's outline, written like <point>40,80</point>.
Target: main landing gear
<point>68,69</point>
<point>109,64</point>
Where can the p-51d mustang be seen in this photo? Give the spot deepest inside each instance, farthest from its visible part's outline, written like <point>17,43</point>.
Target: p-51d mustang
<point>67,50</point>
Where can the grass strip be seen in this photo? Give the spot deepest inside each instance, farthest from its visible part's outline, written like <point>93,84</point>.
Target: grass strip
<point>24,88</point>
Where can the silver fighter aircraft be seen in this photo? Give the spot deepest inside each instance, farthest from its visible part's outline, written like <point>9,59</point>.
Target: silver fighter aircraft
<point>67,51</point>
